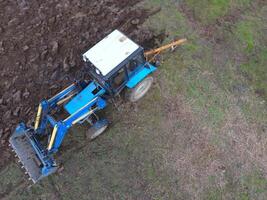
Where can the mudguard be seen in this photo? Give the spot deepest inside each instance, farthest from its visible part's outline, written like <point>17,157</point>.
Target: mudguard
<point>139,74</point>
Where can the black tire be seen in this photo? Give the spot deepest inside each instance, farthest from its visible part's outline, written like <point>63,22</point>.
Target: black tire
<point>97,129</point>
<point>140,89</point>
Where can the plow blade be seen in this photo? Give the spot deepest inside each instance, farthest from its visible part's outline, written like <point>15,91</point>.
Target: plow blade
<point>30,154</point>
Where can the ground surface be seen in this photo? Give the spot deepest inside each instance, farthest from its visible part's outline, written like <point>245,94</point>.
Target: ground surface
<point>199,134</point>
<point>41,45</point>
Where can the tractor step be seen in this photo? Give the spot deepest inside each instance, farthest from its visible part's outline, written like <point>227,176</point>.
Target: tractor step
<point>36,163</point>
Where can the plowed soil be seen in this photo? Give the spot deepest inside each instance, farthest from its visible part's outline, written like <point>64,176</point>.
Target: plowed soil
<point>41,43</point>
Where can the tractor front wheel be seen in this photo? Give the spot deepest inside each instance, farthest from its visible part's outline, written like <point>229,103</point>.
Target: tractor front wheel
<point>97,129</point>
<point>140,89</point>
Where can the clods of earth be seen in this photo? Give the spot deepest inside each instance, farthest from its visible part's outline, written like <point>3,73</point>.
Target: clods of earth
<point>41,43</point>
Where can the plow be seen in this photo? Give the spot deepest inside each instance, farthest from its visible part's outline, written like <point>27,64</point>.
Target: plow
<point>115,64</point>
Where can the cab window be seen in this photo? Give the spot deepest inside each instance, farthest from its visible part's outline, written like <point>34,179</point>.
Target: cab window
<point>118,79</point>
<point>138,60</point>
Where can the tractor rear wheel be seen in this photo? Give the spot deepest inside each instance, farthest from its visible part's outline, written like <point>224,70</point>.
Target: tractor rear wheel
<point>97,129</point>
<point>140,89</point>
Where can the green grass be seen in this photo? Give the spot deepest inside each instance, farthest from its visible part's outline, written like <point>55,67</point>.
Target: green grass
<point>255,70</point>
<point>251,35</point>
<point>250,186</point>
<point>245,32</point>
<point>193,73</point>
<point>176,70</point>
<point>144,154</point>
<point>253,186</point>
<point>249,39</point>
<point>10,177</point>
<point>214,195</point>
<point>208,11</point>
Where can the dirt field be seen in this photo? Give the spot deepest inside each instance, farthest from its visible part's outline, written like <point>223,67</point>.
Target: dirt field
<point>41,46</point>
<point>199,134</point>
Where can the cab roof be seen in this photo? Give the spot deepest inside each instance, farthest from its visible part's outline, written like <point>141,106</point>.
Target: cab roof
<point>110,52</point>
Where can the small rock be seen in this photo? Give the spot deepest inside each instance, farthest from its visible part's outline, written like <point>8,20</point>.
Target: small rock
<point>43,54</point>
<point>7,129</point>
<point>52,20</point>
<point>54,86</point>
<point>60,169</point>
<point>43,47</point>
<point>25,48</point>
<point>50,60</point>
<point>72,60</point>
<point>96,10</point>
<point>33,58</point>
<point>135,21</point>
<point>17,96</point>
<point>16,111</point>
<point>72,63</point>
<point>66,65</point>
<point>55,47</point>
<point>14,79</point>
<point>26,94</point>
<point>13,22</point>
<point>7,85</point>
<point>58,16</point>
<point>1,101</point>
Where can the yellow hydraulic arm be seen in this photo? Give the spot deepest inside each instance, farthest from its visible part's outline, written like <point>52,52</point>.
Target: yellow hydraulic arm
<point>150,55</point>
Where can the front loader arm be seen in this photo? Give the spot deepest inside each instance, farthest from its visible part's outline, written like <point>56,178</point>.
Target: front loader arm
<point>46,106</point>
<point>37,157</point>
<point>61,127</point>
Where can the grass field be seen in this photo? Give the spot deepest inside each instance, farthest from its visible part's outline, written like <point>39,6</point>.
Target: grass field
<point>201,131</point>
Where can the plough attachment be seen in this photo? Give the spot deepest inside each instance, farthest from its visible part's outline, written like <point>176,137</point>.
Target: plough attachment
<point>152,54</point>
<point>31,155</point>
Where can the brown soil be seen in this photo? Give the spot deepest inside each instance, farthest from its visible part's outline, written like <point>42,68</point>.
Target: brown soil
<point>40,46</point>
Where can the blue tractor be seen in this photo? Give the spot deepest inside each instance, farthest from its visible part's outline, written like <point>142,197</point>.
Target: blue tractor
<point>113,64</point>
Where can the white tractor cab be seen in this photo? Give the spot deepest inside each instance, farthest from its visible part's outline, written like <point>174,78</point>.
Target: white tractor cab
<point>117,62</point>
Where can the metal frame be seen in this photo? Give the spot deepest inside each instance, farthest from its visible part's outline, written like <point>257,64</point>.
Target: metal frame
<point>25,141</point>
